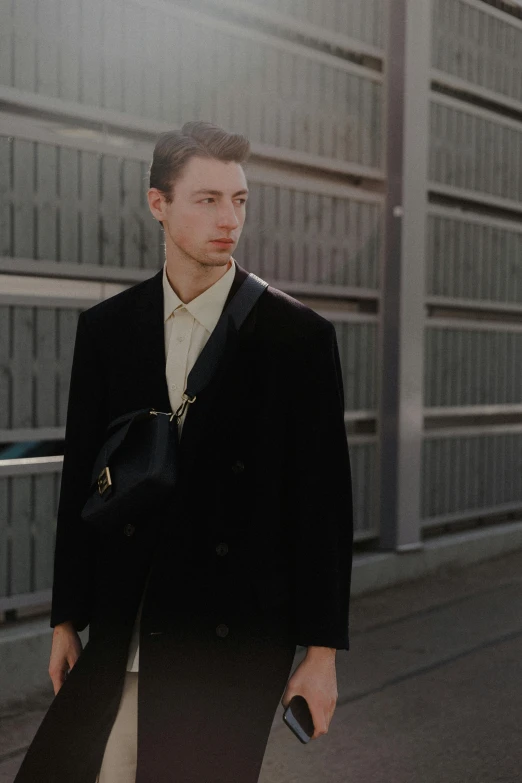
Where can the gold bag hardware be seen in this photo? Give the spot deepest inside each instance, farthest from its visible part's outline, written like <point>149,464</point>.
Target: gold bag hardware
<point>104,480</point>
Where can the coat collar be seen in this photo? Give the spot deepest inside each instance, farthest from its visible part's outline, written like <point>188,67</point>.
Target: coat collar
<point>150,317</point>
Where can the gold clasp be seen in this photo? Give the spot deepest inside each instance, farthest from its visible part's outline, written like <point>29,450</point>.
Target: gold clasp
<point>154,412</point>
<point>104,480</point>
<point>186,401</point>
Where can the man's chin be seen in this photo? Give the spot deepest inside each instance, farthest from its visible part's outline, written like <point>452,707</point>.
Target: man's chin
<point>216,259</point>
<point>206,263</point>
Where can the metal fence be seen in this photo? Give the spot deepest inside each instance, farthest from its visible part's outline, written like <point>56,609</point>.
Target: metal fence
<point>473,332</point>
<point>85,87</point>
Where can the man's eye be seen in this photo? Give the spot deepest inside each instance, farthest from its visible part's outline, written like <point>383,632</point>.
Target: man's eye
<point>209,198</point>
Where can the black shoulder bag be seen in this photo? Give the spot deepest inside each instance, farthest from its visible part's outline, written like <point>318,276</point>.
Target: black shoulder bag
<point>137,467</point>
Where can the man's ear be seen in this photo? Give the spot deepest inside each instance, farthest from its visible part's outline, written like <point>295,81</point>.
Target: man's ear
<point>155,201</point>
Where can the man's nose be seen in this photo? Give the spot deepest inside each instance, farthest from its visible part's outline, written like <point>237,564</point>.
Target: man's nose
<point>228,218</point>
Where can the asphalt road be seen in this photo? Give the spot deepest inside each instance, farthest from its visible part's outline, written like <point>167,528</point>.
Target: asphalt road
<point>430,691</point>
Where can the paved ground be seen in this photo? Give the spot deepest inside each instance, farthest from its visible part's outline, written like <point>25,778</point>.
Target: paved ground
<point>431,691</point>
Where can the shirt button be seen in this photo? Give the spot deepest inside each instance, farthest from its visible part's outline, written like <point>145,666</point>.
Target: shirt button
<point>238,466</point>
<point>222,548</point>
<point>129,529</point>
<point>181,338</point>
<point>173,386</point>
<point>222,630</point>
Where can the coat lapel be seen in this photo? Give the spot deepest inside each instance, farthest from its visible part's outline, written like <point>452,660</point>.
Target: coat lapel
<point>202,415</point>
<point>150,344</point>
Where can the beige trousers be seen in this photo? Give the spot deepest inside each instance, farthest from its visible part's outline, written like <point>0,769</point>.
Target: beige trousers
<point>119,760</point>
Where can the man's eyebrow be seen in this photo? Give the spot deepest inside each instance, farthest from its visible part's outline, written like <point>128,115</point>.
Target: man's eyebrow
<point>219,192</point>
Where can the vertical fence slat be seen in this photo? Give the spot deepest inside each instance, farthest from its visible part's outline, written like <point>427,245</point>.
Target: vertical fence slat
<point>4,532</point>
<point>48,161</point>
<point>92,31</point>
<point>69,53</point>
<point>23,334</point>
<point>44,514</point>
<point>6,210</point>
<point>89,233</point>
<point>132,217</point>
<point>24,45</point>
<point>69,184</point>
<point>113,40</point>
<point>47,57</point>
<point>45,364</point>
<point>24,182</point>
<point>21,536</point>
<point>6,368</point>
<point>6,42</point>
<point>110,218</point>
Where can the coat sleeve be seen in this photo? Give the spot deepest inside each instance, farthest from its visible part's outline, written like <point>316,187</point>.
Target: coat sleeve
<point>320,494</point>
<point>73,555</point>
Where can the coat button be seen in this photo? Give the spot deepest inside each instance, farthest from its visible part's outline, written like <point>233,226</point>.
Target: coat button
<point>129,529</point>
<point>222,548</point>
<point>222,630</point>
<point>238,466</point>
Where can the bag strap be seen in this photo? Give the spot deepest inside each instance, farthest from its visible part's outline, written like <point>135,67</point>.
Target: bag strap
<point>201,373</point>
<point>137,414</point>
<point>236,311</point>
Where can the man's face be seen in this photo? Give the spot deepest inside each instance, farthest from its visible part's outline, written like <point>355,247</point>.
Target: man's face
<point>197,217</point>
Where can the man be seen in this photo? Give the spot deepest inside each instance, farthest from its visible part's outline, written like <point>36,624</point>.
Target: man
<point>195,612</point>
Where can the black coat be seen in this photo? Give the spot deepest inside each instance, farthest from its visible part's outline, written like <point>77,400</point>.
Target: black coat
<point>264,470</point>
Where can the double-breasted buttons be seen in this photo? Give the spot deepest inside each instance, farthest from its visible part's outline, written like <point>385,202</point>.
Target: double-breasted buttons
<point>222,630</point>
<point>238,466</point>
<point>129,529</point>
<point>222,548</point>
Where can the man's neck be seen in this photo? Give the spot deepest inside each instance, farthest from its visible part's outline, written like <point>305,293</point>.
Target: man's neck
<point>189,279</point>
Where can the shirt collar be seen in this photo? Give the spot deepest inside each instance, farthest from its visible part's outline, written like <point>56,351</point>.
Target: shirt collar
<point>205,308</point>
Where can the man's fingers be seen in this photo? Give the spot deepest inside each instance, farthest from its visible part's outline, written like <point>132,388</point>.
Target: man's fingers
<point>320,727</point>
<point>321,716</point>
<point>58,674</point>
<point>57,679</point>
<point>65,650</point>
<point>71,659</point>
<point>322,721</point>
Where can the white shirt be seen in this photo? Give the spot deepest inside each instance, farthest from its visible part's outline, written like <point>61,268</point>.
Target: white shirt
<point>187,329</point>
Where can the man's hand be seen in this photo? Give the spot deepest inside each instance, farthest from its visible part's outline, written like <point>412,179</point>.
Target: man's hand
<point>65,651</point>
<point>315,678</point>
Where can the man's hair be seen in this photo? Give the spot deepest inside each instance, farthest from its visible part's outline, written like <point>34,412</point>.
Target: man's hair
<point>175,148</point>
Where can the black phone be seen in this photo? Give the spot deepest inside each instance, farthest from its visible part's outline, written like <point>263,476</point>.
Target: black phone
<point>298,718</point>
